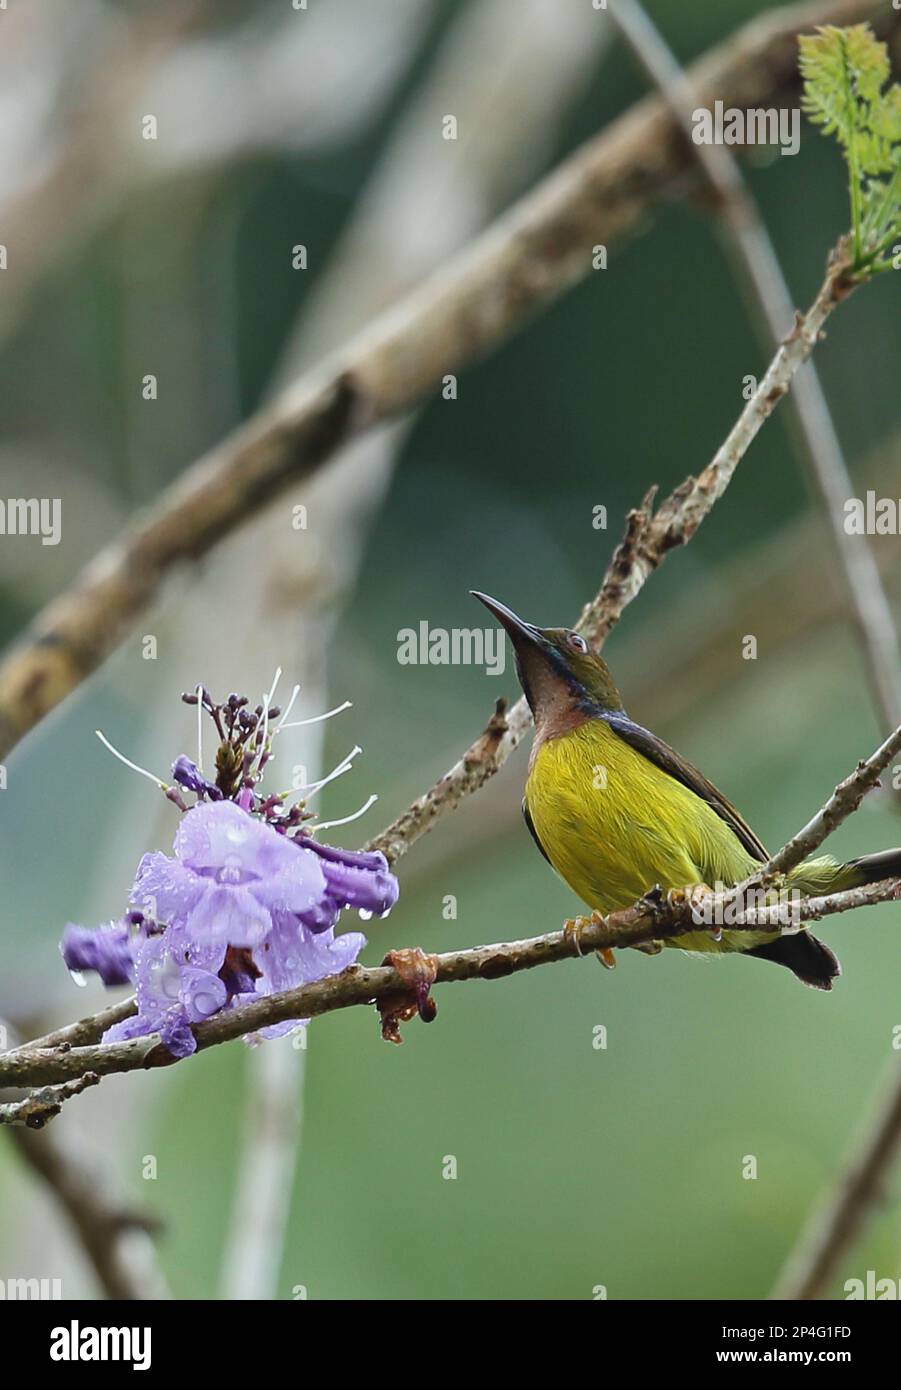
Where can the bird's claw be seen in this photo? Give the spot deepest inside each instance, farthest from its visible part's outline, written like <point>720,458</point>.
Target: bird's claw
<point>690,898</point>
<point>573,928</point>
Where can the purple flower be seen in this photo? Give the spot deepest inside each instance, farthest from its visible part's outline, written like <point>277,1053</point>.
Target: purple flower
<point>247,912</point>
<point>355,878</point>
<point>171,996</point>
<point>231,871</point>
<point>292,955</point>
<point>108,950</point>
<point>188,775</point>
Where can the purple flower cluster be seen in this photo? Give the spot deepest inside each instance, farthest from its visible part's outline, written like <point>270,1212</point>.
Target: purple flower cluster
<point>242,909</point>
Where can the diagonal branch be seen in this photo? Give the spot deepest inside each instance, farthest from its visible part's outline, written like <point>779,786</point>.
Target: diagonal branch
<point>762,276</point>
<point>649,538</point>
<point>42,1105</point>
<point>845,799</point>
<point>525,260</point>
<point>842,1215</point>
<point>116,1237</point>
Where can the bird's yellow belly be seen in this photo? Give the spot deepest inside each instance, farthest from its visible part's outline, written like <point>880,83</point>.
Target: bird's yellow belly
<point>613,824</point>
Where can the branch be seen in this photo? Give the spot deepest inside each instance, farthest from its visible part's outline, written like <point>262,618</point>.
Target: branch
<point>528,258</point>
<point>40,1106</point>
<point>649,538</point>
<point>839,1219</point>
<point>653,918</point>
<point>765,283</point>
<point>845,799</point>
<point>116,1238</point>
<point>90,1029</point>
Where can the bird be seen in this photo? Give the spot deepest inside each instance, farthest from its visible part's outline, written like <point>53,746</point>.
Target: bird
<point>617,813</point>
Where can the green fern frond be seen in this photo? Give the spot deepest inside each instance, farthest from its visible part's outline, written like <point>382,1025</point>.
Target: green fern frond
<point>845,73</point>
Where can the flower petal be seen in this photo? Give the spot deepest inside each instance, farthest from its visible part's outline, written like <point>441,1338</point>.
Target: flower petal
<point>109,950</point>
<point>202,994</point>
<point>229,915</point>
<point>213,836</point>
<point>356,878</point>
<point>165,889</point>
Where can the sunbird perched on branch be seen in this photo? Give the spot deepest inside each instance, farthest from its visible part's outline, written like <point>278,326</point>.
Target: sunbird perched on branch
<point>616,811</point>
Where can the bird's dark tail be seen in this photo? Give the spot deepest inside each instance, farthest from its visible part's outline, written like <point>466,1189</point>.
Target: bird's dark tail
<point>873,867</point>
<point>805,956</point>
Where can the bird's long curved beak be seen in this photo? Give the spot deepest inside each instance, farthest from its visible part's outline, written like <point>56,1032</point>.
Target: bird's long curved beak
<point>521,633</point>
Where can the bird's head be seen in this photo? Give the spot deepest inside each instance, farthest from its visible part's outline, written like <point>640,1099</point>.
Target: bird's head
<point>558,671</point>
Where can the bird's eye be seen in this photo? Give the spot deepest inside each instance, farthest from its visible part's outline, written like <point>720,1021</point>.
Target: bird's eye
<point>578,642</point>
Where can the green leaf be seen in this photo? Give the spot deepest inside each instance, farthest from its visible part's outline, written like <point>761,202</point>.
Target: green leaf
<point>845,73</point>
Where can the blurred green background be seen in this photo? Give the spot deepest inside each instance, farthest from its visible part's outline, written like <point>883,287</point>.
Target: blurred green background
<point>577,1167</point>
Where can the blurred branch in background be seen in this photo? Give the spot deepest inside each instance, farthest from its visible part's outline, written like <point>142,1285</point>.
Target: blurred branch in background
<point>540,248</point>
<point>115,1236</point>
<point>837,1223</point>
<point>416,210</point>
<point>842,1215</point>
<point>299,84</point>
<point>758,265</point>
<point>72,75</point>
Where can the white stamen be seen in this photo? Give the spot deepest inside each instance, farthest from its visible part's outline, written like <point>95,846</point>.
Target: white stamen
<point>267,702</point>
<point>288,708</point>
<point>275,680</point>
<point>345,820</point>
<point>344,766</point>
<point>199,693</point>
<point>317,718</point>
<point>128,763</point>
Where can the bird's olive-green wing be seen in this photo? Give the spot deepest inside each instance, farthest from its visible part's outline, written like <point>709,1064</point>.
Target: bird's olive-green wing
<point>669,761</point>
<point>532,831</point>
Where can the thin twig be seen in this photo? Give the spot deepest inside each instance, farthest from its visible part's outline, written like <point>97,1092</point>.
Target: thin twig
<point>765,283</point>
<point>649,538</point>
<point>528,258</point>
<point>846,798</point>
<point>42,1105</point>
